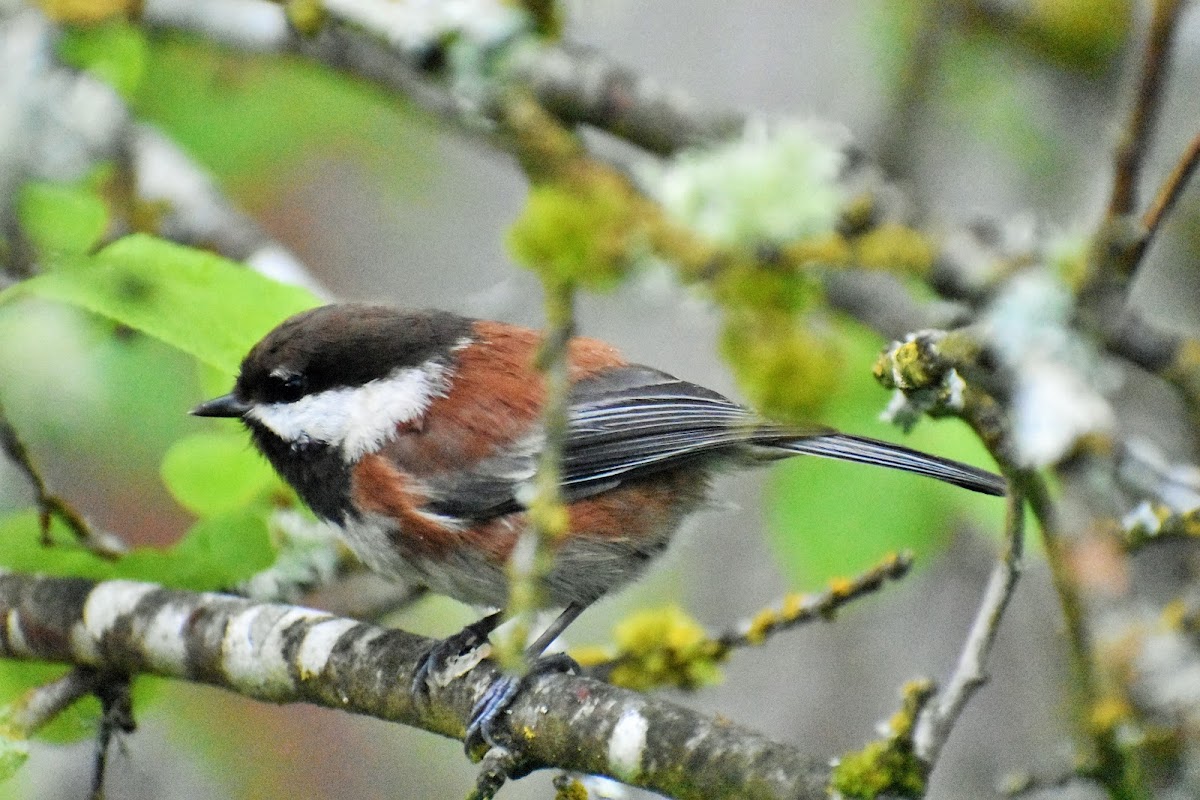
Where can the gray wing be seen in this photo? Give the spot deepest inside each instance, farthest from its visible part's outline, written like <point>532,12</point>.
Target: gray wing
<point>622,424</point>
<point>639,420</point>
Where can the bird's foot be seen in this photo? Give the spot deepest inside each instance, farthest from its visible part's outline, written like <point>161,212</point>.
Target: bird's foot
<point>500,695</point>
<point>439,658</point>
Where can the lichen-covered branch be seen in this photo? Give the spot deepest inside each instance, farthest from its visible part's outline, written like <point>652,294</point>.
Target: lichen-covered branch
<point>665,647</point>
<point>287,654</point>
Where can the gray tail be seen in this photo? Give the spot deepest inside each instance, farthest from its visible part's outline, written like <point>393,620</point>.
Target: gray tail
<point>885,454</point>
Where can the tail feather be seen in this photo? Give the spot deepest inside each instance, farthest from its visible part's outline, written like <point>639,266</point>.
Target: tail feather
<point>885,454</point>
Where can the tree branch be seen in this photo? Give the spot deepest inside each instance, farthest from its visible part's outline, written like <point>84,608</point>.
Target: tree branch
<point>938,719</point>
<point>51,505</point>
<point>287,654</point>
<point>1135,141</point>
<point>1164,201</point>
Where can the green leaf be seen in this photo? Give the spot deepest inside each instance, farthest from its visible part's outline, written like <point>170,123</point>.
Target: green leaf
<point>61,218</point>
<point>833,519</point>
<point>198,302</point>
<point>210,473</point>
<point>14,752</point>
<point>115,52</point>
<point>217,553</point>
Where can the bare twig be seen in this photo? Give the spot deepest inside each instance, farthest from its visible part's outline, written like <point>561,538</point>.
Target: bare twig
<point>1135,141</point>
<point>1164,201</point>
<point>939,717</point>
<point>51,506</point>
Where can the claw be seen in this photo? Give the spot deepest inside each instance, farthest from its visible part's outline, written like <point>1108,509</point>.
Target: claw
<point>438,657</point>
<point>499,696</point>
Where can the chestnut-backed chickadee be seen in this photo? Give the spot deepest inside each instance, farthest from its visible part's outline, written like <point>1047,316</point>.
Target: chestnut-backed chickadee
<point>417,433</point>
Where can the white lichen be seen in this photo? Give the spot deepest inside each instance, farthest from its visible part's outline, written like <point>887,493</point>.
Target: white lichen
<point>165,640</point>
<point>774,185</point>
<point>252,650</point>
<point>1061,380</point>
<point>415,25</point>
<point>107,603</point>
<point>309,554</point>
<point>318,644</point>
<point>627,744</point>
<point>1142,519</point>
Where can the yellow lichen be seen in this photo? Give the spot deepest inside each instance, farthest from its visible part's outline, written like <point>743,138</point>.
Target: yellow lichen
<point>1108,712</point>
<point>664,647</point>
<point>570,789</point>
<point>87,12</point>
<point>584,234</point>
<point>787,368</point>
<point>878,768</point>
<point>895,248</point>
<point>823,250</point>
<point>840,586</point>
<point>306,16</point>
<point>888,765</point>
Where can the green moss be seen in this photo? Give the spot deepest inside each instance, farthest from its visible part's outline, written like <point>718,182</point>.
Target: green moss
<point>888,765</point>
<point>895,248</point>
<point>878,768</point>
<point>306,16</point>
<point>664,647</point>
<point>787,367</point>
<point>583,235</point>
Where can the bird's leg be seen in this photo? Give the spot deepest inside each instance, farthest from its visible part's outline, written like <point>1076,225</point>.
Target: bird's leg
<point>438,657</point>
<point>501,693</point>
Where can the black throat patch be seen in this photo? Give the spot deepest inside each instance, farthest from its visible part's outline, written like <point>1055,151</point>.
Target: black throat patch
<point>315,470</point>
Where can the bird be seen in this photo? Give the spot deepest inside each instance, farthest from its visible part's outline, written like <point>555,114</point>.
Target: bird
<point>417,435</point>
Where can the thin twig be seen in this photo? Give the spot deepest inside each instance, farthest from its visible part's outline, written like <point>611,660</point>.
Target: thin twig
<point>532,558</point>
<point>51,506</point>
<point>1164,201</point>
<point>1135,141</point>
<point>494,770</point>
<point>939,718</point>
<point>1111,761</point>
<point>41,705</point>
<point>798,609</point>
<point>114,696</point>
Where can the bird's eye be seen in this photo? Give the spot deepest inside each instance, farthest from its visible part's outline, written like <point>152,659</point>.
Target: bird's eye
<point>287,388</point>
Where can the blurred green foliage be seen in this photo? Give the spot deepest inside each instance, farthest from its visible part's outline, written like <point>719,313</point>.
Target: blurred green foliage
<point>255,120</point>
<point>61,218</point>
<point>211,473</point>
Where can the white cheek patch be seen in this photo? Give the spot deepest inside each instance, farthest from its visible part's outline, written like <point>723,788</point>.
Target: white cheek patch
<point>358,419</point>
